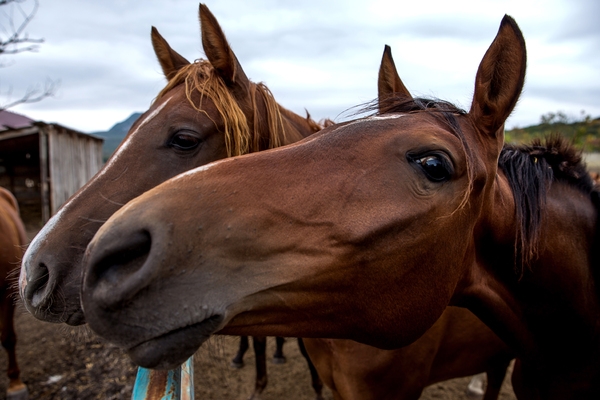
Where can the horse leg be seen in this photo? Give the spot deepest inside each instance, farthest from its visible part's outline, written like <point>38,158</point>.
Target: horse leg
<point>278,357</point>
<point>260,352</point>
<point>238,360</point>
<point>16,388</point>
<point>317,384</point>
<point>495,377</point>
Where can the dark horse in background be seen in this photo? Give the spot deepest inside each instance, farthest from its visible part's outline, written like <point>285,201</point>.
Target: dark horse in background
<point>368,230</point>
<point>209,110</point>
<point>12,244</point>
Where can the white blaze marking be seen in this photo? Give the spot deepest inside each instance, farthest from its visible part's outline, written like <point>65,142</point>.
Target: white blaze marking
<point>127,142</point>
<point>387,116</point>
<point>374,118</point>
<point>34,247</point>
<point>205,167</point>
<point>49,226</point>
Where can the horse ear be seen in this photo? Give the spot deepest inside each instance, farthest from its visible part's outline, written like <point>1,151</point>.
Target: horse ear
<point>389,83</point>
<point>500,78</point>
<point>170,60</point>
<point>219,52</point>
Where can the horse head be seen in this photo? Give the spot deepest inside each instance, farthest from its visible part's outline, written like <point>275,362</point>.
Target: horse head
<point>365,231</point>
<point>208,110</point>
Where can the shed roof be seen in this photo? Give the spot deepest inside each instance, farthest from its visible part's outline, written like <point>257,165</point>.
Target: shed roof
<point>15,125</point>
<point>11,120</point>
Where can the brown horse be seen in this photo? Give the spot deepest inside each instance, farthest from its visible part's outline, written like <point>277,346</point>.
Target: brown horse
<point>361,231</point>
<point>12,244</point>
<point>458,344</point>
<point>208,110</point>
<point>367,230</point>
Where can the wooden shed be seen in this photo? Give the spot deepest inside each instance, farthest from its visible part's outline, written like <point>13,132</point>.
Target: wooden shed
<point>44,164</point>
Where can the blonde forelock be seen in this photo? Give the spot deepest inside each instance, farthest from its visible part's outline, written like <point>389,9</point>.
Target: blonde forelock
<point>201,77</point>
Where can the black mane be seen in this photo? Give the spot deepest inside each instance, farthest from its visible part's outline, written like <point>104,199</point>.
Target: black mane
<point>530,170</point>
<point>556,154</point>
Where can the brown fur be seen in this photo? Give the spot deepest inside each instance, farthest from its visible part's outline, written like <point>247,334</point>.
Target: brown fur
<point>351,235</point>
<point>210,103</point>
<point>458,344</point>
<point>12,244</point>
<point>226,119</point>
<point>344,235</point>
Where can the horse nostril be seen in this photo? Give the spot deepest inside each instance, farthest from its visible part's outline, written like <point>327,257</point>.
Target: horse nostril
<point>118,265</point>
<point>117,275</point>
<point>36,292</point>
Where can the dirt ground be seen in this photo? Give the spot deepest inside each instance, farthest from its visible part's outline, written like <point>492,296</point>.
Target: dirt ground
<point>62,362</point>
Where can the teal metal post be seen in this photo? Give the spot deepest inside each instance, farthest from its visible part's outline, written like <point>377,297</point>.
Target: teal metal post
<point>175,384</point>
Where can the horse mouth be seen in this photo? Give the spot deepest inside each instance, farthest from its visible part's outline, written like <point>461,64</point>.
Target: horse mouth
<point>173,348</point>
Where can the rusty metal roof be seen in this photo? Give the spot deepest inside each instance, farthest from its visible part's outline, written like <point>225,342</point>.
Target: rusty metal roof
<point>11,120</point>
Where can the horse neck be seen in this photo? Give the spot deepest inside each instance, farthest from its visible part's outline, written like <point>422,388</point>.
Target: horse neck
<point>285,125</point>
<point>550,313</point>
<point>300,126</point>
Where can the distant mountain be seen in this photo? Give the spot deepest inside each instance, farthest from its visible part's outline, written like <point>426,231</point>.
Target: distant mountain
<point>114,136</point>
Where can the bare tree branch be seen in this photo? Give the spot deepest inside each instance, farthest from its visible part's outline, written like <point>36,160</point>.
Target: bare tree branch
<point>13,39</point>
<point>33,94</point>
<point>16,37</point>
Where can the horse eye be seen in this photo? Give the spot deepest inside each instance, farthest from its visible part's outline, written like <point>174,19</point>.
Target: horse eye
<point>184,141</point>
<point>435,167</point>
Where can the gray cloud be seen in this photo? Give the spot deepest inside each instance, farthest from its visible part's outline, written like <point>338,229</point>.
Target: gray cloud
<point>322,56</point>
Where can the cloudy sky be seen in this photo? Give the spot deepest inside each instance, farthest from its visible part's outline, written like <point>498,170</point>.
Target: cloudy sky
<point>320,55</point>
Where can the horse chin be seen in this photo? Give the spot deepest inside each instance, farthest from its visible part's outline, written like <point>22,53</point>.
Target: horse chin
<point>175,347</point>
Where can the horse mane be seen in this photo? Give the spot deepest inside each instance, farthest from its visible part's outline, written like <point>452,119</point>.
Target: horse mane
<point>530,170</point>
<point>200,77</point>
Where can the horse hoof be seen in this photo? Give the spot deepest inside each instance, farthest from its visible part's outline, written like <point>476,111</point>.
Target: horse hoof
<point>236,365</point>
<point>279,360</point>
<point>17,394</point>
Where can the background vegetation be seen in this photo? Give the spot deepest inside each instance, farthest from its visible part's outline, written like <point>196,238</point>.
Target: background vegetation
<point>583,131</point>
